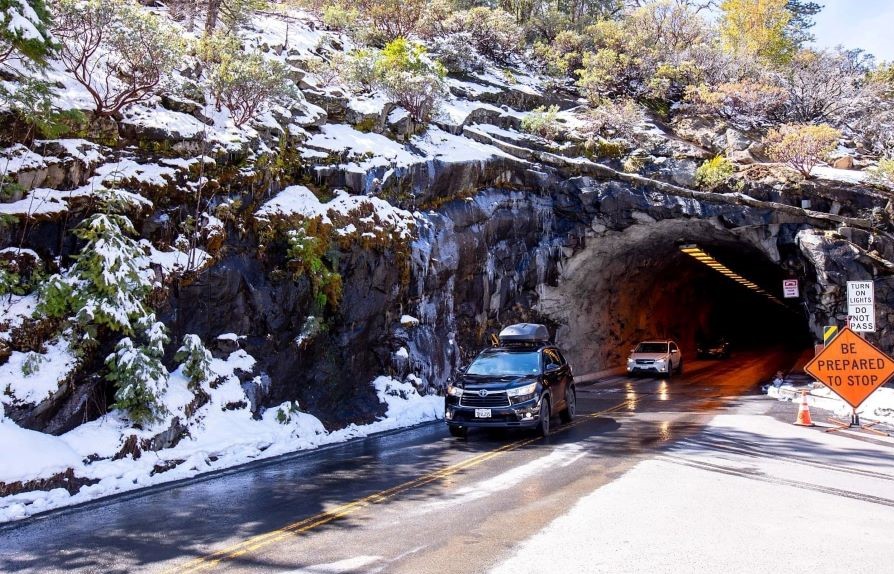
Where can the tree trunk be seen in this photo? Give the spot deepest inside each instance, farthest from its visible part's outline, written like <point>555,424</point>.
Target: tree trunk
<point>213,13</point>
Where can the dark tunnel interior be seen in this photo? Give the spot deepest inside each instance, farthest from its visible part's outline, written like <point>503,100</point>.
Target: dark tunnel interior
<point>636,285</point>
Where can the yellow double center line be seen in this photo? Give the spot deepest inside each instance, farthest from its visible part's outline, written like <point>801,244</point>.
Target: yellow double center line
<point>317,520</point>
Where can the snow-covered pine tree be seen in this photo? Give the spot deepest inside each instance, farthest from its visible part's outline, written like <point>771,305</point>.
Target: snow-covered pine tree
<point>23,32</point>
<point>140,379</point>
<point>106,287</point>
<point>196,361</point>
<point>104,292</point>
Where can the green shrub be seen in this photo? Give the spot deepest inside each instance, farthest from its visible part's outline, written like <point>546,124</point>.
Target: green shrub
<point>18,276</point>
<point>246,83</point>
<point>802,146</point>
<point>305,253</point>
<point>106,288</point>
<point>410,78</point>
<point>884,173</point>
<point>357,69</point>
<point>564,54</point>
<point>542,122</point>
<point>388,20</point>
<point>495,33</point>
<point>32,363</point>
<point>342,18</point>
<point>216,47</point>
<point>714,172</point>
<point>139,378</point>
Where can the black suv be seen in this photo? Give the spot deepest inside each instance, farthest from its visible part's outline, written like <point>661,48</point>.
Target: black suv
<point>521,383</point>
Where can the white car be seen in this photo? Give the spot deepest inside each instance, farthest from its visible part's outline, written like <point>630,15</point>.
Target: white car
<point>656,357</point>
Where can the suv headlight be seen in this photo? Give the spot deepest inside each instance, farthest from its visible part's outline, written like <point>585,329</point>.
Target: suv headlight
<point>521,391</point>
<point>660,361</point>
<point>454,391</point>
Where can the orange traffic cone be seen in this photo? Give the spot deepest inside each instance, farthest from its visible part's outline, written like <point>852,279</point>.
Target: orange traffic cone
<point>804,412</point>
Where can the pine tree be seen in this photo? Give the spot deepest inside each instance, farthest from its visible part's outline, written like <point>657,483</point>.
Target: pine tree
<point>798,28</point>
<point>196,361</point>
<point>139,376</point>
<point>23,32</point>
<point>106,287</point>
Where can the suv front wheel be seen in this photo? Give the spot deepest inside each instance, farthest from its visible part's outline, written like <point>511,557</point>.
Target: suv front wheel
<point>543,427</point>
<point>570,405</point>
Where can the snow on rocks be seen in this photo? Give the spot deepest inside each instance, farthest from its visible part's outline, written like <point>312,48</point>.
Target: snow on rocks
<point>409,321</point>
<point>405,405</point>
<point>29,378</point>
<point>364,153</point>
<point>356,211</point>
<point>175,262</point>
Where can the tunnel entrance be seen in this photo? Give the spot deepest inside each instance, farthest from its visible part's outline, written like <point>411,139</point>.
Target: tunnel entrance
<point>638,284</point>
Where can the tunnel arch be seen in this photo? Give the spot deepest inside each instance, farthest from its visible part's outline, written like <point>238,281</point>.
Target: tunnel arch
<point>628,285</point>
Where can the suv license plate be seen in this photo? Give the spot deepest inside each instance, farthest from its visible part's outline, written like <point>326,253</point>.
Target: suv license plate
<point>482,413</point>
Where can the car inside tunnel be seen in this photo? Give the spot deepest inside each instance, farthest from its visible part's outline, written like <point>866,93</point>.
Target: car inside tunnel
<point>692,282</point>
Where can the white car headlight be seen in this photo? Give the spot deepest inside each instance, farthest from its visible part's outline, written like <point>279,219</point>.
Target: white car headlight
<point>454,391</point>
<point>660,361</point>
<point>521,391</point>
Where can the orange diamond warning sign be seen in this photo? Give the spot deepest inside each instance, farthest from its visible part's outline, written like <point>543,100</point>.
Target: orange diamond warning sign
<point>851,367</point>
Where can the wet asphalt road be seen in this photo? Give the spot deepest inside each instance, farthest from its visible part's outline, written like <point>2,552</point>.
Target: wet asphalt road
<point>416,501</point>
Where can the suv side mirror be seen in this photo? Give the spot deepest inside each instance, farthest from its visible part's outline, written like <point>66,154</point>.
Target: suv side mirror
<point>552,368</point>
<point>673,352</point>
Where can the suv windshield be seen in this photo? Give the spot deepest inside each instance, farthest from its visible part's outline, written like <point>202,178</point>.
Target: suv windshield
<point>505,363</point>
<point>651,348</point>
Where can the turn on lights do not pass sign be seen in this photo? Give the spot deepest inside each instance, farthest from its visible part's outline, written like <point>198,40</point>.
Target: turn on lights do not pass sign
<point>851,367</point>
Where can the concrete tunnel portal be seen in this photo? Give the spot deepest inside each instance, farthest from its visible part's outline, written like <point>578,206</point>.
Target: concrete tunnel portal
<point>639,284</point>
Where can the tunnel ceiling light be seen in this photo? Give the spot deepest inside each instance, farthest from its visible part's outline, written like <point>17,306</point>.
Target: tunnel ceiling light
<point>702,256</point>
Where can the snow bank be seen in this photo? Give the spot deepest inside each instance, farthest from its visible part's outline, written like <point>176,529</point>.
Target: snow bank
<point>28,454</point>
<point>222,433</point>
<point>878,407</point>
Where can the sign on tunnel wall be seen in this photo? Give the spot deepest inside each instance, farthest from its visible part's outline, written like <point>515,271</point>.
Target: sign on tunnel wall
<point>790,288</point>
<point>851,367</point>
<point>861,306</point>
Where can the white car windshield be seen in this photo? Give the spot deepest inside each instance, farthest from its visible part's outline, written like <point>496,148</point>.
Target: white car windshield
<point>651,348</point>
<point>505,363</point>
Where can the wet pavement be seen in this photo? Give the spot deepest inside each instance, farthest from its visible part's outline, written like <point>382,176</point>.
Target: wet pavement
<point>415,501</point>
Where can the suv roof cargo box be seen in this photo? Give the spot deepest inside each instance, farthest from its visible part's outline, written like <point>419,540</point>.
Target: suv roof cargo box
<point>524,333</point>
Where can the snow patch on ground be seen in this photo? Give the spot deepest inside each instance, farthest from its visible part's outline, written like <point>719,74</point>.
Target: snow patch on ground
<point>835,174</point>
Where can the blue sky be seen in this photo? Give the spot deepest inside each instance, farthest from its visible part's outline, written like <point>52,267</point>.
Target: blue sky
<point>867,24</point>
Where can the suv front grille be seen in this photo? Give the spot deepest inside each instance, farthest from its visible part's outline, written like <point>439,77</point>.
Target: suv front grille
<point>645,362</point>
<point>493,399</point>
